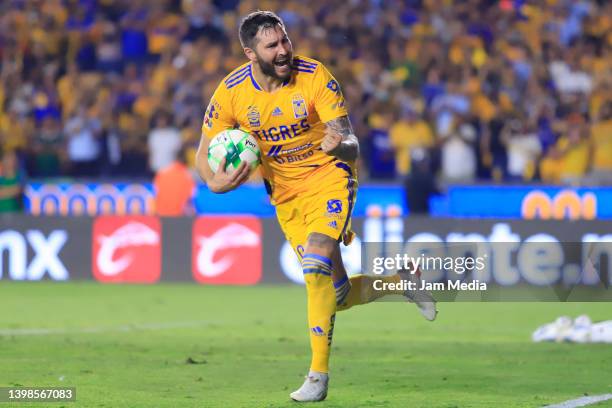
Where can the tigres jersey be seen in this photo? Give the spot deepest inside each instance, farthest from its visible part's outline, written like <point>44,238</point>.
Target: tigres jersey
<point>288,123</point>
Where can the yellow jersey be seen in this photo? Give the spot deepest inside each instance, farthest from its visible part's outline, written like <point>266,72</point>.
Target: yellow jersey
<point>288,123</point>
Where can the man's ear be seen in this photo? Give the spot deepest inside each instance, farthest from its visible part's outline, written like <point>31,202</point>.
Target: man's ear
<point>250,54</point>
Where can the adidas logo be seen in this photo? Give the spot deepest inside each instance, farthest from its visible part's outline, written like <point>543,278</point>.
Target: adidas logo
<point>317,331</point>
<point>333,224</point>
<point>277,112</point>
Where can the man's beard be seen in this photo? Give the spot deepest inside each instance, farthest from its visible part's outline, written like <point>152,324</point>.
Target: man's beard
<point>267,68</point>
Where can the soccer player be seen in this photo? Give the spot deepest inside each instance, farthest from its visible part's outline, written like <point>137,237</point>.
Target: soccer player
<point>295,109</point>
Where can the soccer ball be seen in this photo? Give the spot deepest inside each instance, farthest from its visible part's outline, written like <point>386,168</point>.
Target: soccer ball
<point>237,146</point>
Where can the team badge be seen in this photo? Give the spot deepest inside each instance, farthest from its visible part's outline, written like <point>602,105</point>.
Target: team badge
<point>253,116</point>
<point>333,86</point>
<point>299,107</point>
<point>334,206</point>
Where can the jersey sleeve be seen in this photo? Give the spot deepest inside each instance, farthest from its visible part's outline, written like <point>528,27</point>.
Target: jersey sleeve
<point>328,99</point>
<point>219,114</point>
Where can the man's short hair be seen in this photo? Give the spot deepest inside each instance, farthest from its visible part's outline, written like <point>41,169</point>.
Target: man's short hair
<point>251,24</point>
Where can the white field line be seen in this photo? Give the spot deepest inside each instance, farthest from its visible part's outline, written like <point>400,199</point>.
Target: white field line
<point>582,402</point>
<point>102,329</point>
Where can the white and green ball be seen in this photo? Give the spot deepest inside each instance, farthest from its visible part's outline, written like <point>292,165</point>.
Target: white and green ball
<point>235,145</point>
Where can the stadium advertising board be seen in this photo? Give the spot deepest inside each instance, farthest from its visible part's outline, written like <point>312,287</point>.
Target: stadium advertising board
<point>94,199</point>
<point>526,202</point>
<point>52,248</point>
<point>227,250</point>
<point>247,250</point>
<point>535,253</point>
<point>513,202</point>
<point>126,249</point>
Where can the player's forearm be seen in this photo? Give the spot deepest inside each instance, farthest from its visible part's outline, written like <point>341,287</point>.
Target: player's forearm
<point>201,164</point>
<point>348,148</point>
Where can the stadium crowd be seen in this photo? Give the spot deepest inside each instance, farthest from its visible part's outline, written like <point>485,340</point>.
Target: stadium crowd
<point>468,90</point>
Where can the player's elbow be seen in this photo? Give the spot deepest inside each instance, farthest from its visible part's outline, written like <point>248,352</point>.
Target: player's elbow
<point>352,151</point>
<point>356,152</point>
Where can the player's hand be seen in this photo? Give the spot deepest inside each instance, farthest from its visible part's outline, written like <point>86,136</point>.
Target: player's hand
<point>222,181</point>
<point>331,142</point>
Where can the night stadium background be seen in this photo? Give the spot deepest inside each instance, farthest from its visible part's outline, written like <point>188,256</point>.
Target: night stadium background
<point>480,119</point>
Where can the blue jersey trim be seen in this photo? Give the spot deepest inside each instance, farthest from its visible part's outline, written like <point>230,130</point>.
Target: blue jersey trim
<point>321,258</point>
<point>236,74</point>
<point>253,81</point>
<point>304,63</point>
<point>341,282</point>
<point>350,186</point>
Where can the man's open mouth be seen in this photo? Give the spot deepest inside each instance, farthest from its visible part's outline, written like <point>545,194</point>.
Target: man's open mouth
<point>282,63</point>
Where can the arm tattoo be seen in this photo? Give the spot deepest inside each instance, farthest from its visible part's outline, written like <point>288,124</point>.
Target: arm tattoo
<point>348,150</point>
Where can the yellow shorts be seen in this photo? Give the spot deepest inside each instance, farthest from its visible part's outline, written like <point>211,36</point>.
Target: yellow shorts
<point>325,208</point>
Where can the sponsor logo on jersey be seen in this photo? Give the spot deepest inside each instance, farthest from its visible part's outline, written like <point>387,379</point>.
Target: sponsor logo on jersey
<point>278,149</point>
<point>334,206</point>
<point>333,224</point>
<point>299,107</point>
<point>293,158</point>
<point>127,249</point>
<point>277,112</point>
<point>253,116</point>
<point>284,132</point>
<point>227,250</point>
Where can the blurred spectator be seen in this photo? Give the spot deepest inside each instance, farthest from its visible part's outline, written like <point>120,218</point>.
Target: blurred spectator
<point>82,132</point>
<point>174,188</point>
<point>446,107</point>
<point>381,156</point>
<point>409,133</point>
<point>11,181</point>
<point>124,60</point>
<point>47,148</point>
<point>459,154</point>
<point>420,184</point>
<point>494,154</point>
<point>164,141</point>
<point>601,137</point>
<point>568,160</point>
<point>524,148</point>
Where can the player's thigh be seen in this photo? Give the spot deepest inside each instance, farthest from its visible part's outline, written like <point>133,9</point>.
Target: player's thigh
<point>329,211</point>
<point>291,221</point>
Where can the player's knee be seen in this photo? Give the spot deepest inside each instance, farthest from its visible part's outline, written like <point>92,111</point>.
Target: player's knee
<point>317,269</point>
<point>320,244</point>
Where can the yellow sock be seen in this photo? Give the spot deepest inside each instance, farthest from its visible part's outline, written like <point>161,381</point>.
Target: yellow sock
<point>359,290</point>
<point>321,308</point>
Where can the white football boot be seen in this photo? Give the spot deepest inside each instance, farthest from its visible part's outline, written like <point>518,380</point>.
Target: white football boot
<point>422,298</point>
<point>314,388</point>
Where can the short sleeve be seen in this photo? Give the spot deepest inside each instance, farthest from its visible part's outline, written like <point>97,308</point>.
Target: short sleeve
<point>219,114</point>
<point>329,101</point>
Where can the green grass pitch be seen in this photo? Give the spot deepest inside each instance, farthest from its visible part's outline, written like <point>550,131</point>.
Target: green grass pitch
<point>183,345</point>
